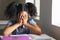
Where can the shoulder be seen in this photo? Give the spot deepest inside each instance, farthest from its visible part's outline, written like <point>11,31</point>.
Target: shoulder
<point>11,22</point>
<point>31,21</point>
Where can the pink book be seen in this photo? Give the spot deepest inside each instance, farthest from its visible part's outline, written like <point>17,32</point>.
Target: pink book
<point>15,38</point>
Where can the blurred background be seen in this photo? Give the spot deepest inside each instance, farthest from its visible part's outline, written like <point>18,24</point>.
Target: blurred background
<point>45,16</point>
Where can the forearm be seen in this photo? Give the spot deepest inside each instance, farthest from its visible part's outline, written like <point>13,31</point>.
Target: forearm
<point>10,29</point>
<point>34,29</point>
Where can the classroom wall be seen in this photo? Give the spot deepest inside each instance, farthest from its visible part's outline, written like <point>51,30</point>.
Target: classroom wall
<point>45,22</point>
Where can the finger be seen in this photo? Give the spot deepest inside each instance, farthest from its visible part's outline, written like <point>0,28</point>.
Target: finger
<point>21,20</point>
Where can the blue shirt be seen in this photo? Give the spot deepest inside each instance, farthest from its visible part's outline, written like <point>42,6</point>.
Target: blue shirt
<point>24,29</point>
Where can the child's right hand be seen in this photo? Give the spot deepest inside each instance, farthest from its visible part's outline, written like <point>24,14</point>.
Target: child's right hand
<point>20,21</point>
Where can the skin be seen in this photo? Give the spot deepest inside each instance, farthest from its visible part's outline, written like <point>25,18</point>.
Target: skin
<point>22,19</point>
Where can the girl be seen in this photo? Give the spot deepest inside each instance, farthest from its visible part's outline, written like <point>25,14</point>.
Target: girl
<point>22,23</point>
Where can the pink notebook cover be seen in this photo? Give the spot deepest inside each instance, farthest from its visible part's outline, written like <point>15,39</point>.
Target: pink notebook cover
<point>15,38</point>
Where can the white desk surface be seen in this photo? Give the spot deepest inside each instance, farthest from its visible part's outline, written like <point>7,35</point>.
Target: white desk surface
<point>33,37</point>
<point>44,36</point>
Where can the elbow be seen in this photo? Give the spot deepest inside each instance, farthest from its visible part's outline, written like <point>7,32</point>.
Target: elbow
<point>5,33</point>
<point>39,32</point>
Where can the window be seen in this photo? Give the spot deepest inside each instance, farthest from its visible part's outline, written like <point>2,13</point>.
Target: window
<point>37,4</point>
<point>56,12</point>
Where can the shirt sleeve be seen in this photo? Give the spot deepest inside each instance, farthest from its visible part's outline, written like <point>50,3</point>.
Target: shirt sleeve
<point>9,23</point>
<point>32,21</point>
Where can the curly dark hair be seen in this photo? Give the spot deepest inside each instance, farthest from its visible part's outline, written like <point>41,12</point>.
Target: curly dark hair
<point>14,8</point>
<point>31,9</point>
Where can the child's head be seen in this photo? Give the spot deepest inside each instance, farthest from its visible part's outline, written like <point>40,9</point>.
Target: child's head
<point>15,8</point>
<point>29,8</point>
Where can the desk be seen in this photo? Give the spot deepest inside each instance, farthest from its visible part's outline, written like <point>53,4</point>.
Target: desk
<point>36,37</point>
<point>42,37</point>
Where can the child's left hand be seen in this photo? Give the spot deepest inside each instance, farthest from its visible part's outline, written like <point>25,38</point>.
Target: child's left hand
<point>25,19</point>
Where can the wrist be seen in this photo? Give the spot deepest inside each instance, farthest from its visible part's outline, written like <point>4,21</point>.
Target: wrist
<point>26,24</point>
<point>19,24</point>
